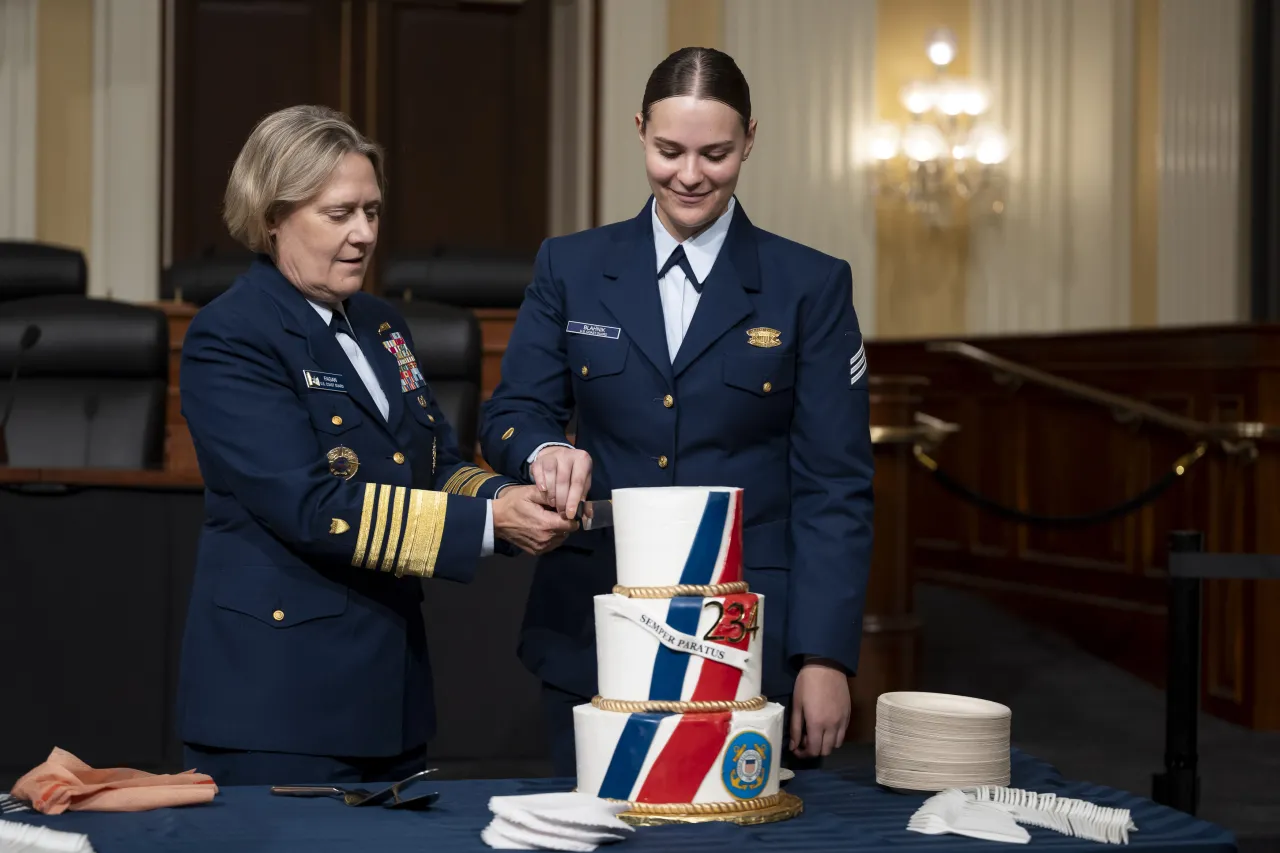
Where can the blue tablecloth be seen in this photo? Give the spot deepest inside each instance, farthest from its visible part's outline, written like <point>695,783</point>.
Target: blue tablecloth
<point>844,810</point>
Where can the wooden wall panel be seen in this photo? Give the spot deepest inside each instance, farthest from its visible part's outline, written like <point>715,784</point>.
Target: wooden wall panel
<point>463,104</point>
<point>457,93</point>
<point>234,62</point>
<point>1104,585</point>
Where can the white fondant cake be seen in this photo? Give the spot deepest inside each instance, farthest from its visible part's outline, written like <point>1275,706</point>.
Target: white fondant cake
<point>677,535</point>
<point>682,649</point>
<point>720,659</point>
<point>678,758</point>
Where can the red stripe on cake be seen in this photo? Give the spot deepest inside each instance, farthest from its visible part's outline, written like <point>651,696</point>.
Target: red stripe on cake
<point>731,570</point>
<point>719,681</point>
<point>685,760</point>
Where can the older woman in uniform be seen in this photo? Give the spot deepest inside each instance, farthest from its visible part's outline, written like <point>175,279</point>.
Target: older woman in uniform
<point>697,350</point>
<point>334,484</point>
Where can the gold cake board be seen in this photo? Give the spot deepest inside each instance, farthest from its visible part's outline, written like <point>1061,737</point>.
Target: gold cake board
<point>787,807</point>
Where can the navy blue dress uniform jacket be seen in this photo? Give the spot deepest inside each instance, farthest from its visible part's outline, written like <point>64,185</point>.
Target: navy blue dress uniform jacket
<point>304,632</point>
<point>767,392</point>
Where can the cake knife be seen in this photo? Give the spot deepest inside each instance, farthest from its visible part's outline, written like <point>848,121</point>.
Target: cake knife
<point>595,514</point>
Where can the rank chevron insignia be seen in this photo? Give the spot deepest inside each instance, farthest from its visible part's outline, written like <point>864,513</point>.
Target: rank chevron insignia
<point>858,365</point>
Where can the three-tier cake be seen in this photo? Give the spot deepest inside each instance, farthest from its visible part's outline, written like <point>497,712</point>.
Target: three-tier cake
<point>680,729</point>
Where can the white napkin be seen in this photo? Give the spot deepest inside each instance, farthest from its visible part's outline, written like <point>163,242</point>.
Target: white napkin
<point>22,838</point>
<point>562,821</point>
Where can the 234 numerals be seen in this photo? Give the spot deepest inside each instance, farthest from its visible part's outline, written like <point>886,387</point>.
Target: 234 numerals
<point>730,627</point>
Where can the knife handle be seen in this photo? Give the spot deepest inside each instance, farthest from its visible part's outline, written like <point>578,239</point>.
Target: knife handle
<point>306,791</point>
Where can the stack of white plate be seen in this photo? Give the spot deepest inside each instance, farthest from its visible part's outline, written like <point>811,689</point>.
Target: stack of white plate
<point>935,741</point>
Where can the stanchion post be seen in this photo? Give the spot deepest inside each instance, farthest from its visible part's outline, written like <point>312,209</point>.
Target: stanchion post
<point>1179,785</point>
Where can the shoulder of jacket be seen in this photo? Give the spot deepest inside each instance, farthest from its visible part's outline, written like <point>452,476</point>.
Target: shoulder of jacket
<point>242,310</point>
<point>804,267</point>
<point>579,240</point>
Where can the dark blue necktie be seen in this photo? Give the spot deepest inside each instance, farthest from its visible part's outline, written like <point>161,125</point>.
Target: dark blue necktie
<point>340,325</point>
<point>678,258</point>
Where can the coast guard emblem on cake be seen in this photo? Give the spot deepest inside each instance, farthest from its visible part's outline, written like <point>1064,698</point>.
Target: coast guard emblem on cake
<point>410,376</point>
<point>746,765</point>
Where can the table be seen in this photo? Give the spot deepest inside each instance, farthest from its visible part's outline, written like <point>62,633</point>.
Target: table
<point>844,810</point>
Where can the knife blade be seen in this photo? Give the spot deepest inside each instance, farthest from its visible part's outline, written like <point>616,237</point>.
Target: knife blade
<point>595,514</point>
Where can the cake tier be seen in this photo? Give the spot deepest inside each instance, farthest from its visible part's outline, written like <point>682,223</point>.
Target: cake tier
<point>678,758</point>
<point>678,535</point>
<point>679,649</point>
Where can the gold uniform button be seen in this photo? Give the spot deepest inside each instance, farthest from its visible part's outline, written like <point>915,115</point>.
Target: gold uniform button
<point>431,418</point>
<point>584,370</point>
<point>668,401</point>
<point>662,462</point>
<point>768,386</point>
<point>278,616</point>
<point>337,420</point>
<point>398,457</point>
<point>510,432</point>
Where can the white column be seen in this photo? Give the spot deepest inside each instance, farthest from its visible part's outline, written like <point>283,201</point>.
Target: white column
<point>125,258</point>
<point>1201,262</point>
<point>633,39</point>
<point>572,120</point>
<point>18,119</point>
<point>811,68</point>
<point>1062,73</point>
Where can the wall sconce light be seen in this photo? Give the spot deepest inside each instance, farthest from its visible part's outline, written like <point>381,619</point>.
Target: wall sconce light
<point>947,155</point>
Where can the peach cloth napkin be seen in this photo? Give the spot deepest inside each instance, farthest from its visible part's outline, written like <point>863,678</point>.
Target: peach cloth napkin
<point>64,782</point>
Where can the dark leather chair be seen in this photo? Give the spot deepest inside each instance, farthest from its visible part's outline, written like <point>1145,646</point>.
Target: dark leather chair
<point>91,392</point>
<point>447,343</point>
<point>202,280</point>
<point>40,269</point>
<point>469,279</point>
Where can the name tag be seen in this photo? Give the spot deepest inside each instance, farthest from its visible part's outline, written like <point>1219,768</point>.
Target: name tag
<point>324,381</point>
<point>576,328</point>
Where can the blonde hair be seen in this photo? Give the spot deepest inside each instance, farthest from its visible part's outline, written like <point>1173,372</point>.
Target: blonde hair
<point>286,160</point>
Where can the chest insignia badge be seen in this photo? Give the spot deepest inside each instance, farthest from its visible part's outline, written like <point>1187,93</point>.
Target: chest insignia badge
<point>764,337</point>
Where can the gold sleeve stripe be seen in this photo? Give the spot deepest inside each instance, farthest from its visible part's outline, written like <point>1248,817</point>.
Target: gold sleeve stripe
<point>411,528</point>
<point>457,475</point>
<point>366,516</point>
<point>437,536</point>
<point>460,477</point>
<point>379,527</point>
<point>393,538</point>
<point>472,487</point>
<point>427,515</point>
<point>452,484</point>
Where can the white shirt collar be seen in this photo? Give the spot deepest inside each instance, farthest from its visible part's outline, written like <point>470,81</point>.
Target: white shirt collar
<point>701,250</point>
<point>326,313</point>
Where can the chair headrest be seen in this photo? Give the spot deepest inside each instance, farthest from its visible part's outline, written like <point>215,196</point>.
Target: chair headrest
<point>39,269</point>
<point>202,280</point>
<point>447,339</point>
<point>469,279</point>
<point>81,337</point>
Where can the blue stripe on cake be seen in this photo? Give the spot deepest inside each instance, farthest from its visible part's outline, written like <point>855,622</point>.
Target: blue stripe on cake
<point>629,754</point>
<point>670,666</point>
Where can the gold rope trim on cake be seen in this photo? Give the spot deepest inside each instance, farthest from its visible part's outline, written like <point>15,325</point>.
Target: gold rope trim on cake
<point>707,706</point>
<point>704,808</point>
<point>706,590</point>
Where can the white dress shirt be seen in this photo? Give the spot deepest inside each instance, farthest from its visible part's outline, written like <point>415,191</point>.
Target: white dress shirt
<point>365,371</point>
<point>679,298</point>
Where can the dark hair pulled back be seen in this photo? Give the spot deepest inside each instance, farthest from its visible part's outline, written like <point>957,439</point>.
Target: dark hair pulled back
<point>702,72</point>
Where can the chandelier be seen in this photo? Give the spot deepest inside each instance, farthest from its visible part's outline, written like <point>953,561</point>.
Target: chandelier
<point>947,156</point>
